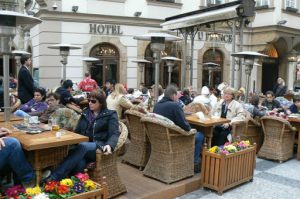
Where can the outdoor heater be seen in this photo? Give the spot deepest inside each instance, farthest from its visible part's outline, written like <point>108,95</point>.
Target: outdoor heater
<point>170,63</point>
<point>157,45</point>
<point>64,51</point>
<point>249,58</point>
<point>141,63</point>
<point>9,20</point>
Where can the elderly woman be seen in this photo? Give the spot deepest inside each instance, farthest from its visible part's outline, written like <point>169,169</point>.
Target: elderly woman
<point>35,106</point>
<point>279,88</point>
<point>101,126</point>
<point>230,109</point>
<point>117,100</point>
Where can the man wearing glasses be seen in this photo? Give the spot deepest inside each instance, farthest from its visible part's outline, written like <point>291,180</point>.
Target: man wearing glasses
<point>53,105</point>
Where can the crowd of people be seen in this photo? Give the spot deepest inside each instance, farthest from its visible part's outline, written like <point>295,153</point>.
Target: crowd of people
<point>99,120</point>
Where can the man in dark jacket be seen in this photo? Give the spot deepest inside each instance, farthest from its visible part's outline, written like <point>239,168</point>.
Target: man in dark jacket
<point>270,103</point>
<point>25,80</point>
<point>170,108</point>
<point>65,93</point>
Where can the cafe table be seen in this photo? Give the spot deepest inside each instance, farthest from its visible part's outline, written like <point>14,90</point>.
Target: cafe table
<point>12,117</point>
<point>45,149</point>
<point>295,121</point>
<point>206,125</point>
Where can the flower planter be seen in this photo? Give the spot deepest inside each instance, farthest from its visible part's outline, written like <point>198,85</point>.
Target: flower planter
<point>221,172</point>
<point>99,193</point>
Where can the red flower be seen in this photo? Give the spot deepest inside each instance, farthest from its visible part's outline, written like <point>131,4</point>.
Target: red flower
<point>62,189</point>
<point>51,186</point>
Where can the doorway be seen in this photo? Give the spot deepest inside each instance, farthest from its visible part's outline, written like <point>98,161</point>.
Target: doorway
<point>269,75</point>
<point>107,68</point>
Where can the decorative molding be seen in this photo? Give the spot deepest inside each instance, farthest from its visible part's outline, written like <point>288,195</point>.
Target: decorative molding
<point>47,15</point>
<point>164,4</point>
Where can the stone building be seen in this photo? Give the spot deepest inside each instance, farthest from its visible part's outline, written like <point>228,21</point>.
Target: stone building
<point>105,29</point>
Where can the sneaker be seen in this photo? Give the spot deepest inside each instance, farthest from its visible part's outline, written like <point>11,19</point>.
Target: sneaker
<point>197,168</point>
<point>46,174</point>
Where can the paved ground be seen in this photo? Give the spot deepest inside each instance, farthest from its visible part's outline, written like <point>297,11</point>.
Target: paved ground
<point>272,180</point>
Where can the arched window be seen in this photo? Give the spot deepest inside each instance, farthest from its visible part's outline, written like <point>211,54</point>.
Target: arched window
<point>149,75</point>
<point>107,68</point>
<point>212,68</point>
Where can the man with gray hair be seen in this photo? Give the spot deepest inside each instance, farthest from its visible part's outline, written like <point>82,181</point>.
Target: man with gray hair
<point>169,107</point>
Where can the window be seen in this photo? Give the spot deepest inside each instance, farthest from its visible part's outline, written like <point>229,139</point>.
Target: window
<point>169,1</point>
<point>260,3</point>
<point>212,74</point>
<point>290,3</point>
<point>107,68</point>
<point>214,2</point>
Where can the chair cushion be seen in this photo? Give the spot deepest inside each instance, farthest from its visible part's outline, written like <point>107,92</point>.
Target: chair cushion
<point>160,117</point>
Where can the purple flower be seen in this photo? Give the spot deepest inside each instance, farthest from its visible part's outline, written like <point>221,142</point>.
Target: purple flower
<point>15,191</point>
<point>78,187</point>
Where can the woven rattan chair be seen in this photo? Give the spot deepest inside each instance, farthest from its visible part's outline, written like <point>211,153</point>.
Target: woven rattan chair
<point>172,151</point>
<point>196,107</point>
<point>106,166</point>
<point>138,151</point>
<point>279,139</point>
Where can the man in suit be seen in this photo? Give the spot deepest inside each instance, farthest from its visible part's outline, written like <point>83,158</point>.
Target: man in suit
<point>25,80</point>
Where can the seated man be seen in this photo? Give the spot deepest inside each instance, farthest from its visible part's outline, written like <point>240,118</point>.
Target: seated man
<point>295,107</point>
<point>270,103</point>
<point>230,109</point>
<point>170,108</point>
<point>53,105</point>
<point>12,158</point>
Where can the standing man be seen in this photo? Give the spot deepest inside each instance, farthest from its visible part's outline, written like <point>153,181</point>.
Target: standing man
<point>88,84</point>
<point>25,80</point>
<point>169,107</point>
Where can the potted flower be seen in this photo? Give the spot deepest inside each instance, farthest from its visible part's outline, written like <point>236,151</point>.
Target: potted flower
<point>75,187</point>
<point>224,167</point>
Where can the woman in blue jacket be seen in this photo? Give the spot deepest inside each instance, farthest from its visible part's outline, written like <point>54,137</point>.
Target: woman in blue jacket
<point>101,126</point>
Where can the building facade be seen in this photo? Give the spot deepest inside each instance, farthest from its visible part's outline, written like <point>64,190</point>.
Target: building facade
<point>105,28</point>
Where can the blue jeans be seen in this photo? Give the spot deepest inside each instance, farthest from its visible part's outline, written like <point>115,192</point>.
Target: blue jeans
<point>21,113</point>
<point>77,159</point>
<point>12,156</point>
<point>199,138</point>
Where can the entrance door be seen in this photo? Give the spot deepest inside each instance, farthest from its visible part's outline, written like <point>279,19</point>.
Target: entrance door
<point>107,68</point>
<point>269,76</point>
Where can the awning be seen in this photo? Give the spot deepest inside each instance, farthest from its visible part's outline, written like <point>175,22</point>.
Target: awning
<point>221,14</point>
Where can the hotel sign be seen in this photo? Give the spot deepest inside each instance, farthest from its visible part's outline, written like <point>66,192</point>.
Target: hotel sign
<point>105,29</point>
<point>215,37</point>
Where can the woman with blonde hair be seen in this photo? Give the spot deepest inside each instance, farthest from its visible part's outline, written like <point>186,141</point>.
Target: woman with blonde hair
<point>117,100</point>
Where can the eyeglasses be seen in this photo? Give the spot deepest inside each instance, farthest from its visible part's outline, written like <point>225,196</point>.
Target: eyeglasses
<point>93,101</point>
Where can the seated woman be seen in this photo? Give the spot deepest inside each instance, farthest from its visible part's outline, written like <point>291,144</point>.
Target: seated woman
<point>257,111</point>
<point>102,128</point>
<point>295,107</point>
<point>35,106</point>
<point>117,100</point>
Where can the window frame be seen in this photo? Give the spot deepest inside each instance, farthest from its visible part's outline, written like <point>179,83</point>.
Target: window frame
<point>261,3</point>
<point>289,2</point>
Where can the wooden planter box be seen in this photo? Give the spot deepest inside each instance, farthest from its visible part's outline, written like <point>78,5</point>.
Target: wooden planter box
<point>100,193</point>
<point>222,172</point>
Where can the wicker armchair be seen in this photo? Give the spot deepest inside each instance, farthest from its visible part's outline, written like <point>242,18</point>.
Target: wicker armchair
<point>138,151</point>
<point>172,151</point>
<point>106,166</point>
<point>279,139</point>
<point>196,107</point>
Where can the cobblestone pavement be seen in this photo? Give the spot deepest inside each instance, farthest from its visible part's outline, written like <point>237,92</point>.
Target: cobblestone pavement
<point>272,180</point>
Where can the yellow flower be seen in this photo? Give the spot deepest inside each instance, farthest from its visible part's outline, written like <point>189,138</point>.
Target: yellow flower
<point>90,185</point>
<point>68,182</point>
<point>213,149</point>
<point>247,142</point>
<point>33,191</point>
